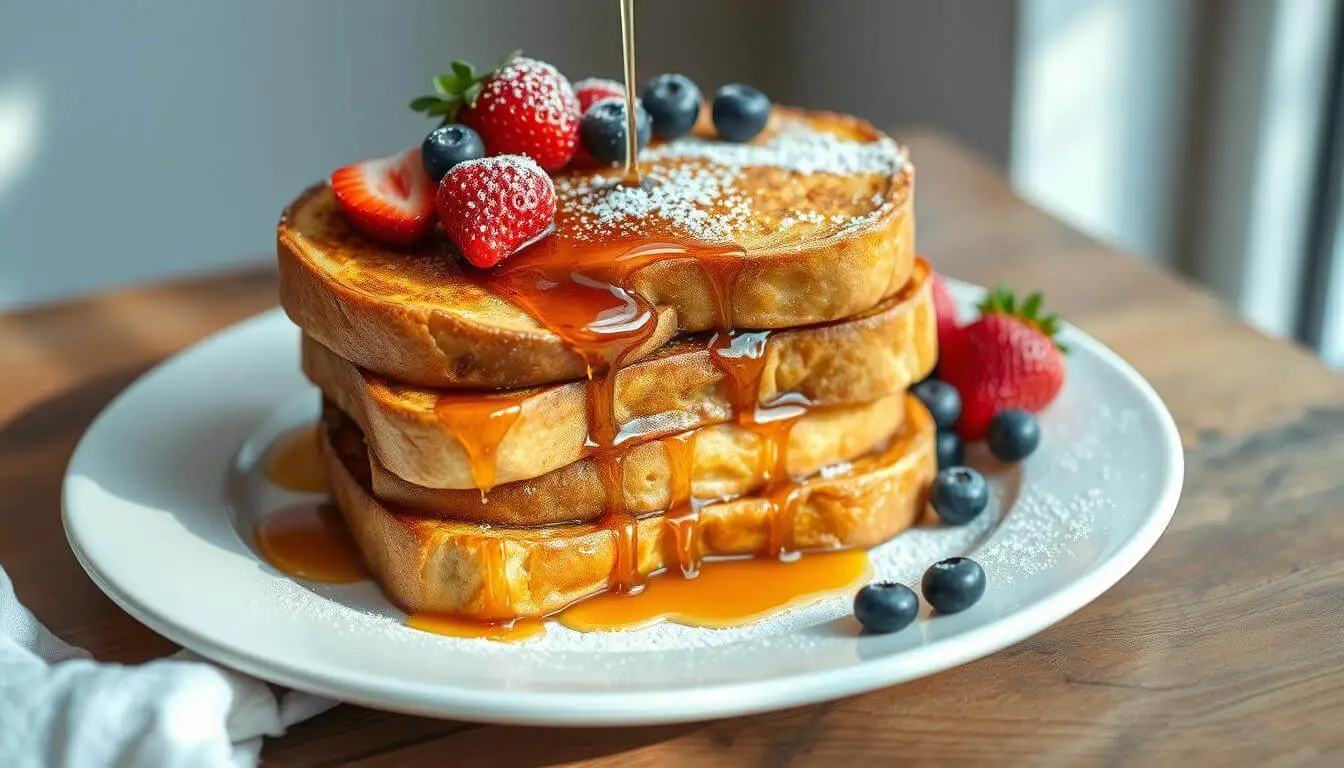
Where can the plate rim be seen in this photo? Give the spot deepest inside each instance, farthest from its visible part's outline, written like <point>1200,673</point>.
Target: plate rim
<point>686,704</point>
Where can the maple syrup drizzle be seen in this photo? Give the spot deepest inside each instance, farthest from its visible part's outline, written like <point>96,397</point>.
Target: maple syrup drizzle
<point>294,462</point>
<point>496,603</point>
<point>631,176</point>
<point>479,425</point>
<point>514,631</point>
<point>311,542</point>
<point>682,518</point>
<point>730,593</point>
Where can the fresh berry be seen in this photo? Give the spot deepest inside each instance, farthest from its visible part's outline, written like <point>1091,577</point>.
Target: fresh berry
<point>1007,359</point>
<point>740,112</point>
<point>945,309</point>
<point>951,450</point>
<point>448,145</point>
<point>941,399</point>
<point>603,130</point>
<point>953,585</point>
<point>591,90</point>
<point>493,207</point>
<point>1013,435</point>
<point>959,495</point>
<point>390,198</point>
<point>886,606</point>
<point>522,106</point>
<point>673,101</point>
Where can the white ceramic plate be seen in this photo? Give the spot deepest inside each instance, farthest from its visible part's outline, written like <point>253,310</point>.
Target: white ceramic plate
<point>162,495</point>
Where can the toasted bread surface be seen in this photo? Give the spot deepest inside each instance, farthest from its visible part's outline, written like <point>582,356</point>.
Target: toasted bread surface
<point>821,204</point>
<point>855,361</point>
<point>444,566</point>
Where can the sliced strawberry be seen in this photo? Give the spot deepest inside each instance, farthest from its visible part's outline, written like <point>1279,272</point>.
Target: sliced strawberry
<point>493,207</point>
<point>388,198</point>
<point>1008,359</point>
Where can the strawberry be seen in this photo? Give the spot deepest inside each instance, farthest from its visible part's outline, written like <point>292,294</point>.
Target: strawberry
<point>1007,359</point>
<point>493,207</point>
<point>945,309</point>
<point>591,90</point>
<point>389,198</point>
<point>522,106</point>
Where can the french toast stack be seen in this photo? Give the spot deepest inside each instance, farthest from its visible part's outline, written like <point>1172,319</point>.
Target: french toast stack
<point>713,363</point>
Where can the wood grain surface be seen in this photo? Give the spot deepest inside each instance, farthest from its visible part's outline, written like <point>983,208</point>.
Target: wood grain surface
<point>1224,646</point>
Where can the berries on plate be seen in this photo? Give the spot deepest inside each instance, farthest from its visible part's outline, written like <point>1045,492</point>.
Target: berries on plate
<point>740,112</point>
<point>603,129</point>
<point>959,495</point>
<point>1007,359</point>
<point>591,90</point>
<point>448,145</point>
<point>522,106</point>
<point>1013,435</point>
<point>389,198</point>
<point>491,208</point>
<point>673,102</point>
<point>951,450</point>
<point>953,585</point>
<point>941,399</point>
<point>886,606</point>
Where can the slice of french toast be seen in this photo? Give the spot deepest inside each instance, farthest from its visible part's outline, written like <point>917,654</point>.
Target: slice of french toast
<point>720,461</point>
<point>821,206</point>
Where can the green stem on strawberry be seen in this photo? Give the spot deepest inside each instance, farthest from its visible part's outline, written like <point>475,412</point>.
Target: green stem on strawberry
<point>1002,301</point>
<point>457,89</point>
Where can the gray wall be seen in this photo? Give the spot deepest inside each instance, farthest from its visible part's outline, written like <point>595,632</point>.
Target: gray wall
<point>153,138</point>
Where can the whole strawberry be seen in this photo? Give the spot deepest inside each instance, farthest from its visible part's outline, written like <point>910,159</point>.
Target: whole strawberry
<point>1007,359</point>
<point>494,206</point>
<point>522,106</point>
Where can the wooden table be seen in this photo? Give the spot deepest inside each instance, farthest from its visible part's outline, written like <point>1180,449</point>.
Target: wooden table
<point>1225,645</point>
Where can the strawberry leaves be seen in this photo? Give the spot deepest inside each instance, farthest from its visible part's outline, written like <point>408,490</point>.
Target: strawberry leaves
<point>1001,301</point>
<point>456,89</point>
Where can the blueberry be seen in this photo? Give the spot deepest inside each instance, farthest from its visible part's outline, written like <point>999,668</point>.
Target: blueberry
<point>602,129</point>
<point>739,112</point>
<point>673,102</point>
<point>959,495</point>
<point>951,450</point>
<point>942,400</point>
<point>954,584</point>
<point>886,606</point>
<point>1013,435</point>
<point>447,146</point>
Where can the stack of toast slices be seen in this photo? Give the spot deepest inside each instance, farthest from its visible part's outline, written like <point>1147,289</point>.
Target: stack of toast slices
<point>712,362</point>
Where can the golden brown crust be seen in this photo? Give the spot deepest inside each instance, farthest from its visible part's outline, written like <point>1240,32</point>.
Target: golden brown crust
<point>727,460</point>
<point>434,565</point>
<point>855,361</point>
<point>413,315</point>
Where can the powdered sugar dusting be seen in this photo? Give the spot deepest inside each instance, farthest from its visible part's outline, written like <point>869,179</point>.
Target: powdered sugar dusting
<point>695,186</point>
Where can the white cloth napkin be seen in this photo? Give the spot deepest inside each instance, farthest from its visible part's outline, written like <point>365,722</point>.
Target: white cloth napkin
<point>59,707</point>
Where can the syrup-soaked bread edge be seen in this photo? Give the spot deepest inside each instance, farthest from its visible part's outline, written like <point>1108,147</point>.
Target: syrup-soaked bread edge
<point>725,460</point>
